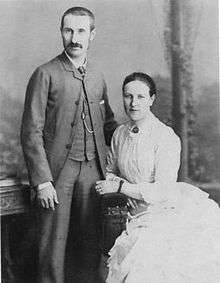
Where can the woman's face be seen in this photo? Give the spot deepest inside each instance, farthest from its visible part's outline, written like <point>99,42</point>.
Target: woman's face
<point>137,100</point>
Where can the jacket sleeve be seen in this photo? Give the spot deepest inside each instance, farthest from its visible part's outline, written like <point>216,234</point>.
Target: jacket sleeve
<point>110,123</point>
<point>112,156</point>
<point>32,128</point>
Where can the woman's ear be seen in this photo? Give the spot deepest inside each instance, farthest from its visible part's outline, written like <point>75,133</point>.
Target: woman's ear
<point>152,98</point>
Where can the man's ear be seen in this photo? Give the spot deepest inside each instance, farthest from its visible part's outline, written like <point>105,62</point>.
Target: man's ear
<point>152,98</point>
<point>92,34</point>
<point>61,32</point>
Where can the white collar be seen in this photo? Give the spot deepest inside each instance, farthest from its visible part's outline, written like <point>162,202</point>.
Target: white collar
<point>74,63</point>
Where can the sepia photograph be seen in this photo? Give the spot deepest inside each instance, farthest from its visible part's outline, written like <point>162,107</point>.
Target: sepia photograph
<point>109,141</point>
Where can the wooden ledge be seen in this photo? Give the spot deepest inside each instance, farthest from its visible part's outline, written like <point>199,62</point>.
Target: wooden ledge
<point>14,197</point>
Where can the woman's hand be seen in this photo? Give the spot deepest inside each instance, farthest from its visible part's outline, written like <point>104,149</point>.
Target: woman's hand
<point>113,177</point>
<point>106,187</point>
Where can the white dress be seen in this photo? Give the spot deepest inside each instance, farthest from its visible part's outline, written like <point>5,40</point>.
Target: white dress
<point>177,238</point>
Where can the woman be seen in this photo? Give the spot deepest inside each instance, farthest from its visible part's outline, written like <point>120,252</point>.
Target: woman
<point>173,230</point>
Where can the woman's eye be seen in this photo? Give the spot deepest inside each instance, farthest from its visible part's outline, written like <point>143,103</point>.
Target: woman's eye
<point>67,30</point>
<point>127,96</point>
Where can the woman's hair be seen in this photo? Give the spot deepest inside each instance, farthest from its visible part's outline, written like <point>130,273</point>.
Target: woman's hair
<point>142,77</point>
<point>80,11</point>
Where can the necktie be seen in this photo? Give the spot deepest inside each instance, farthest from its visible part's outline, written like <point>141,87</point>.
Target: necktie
<point>81,70</point>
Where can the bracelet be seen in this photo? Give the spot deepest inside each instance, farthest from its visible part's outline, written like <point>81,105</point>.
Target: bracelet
<point>120,186</point>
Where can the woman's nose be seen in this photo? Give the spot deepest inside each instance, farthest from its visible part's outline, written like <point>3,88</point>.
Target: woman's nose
<point>134,102</point>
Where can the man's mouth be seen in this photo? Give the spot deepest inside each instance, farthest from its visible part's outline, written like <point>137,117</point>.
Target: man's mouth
<point>75,46</point>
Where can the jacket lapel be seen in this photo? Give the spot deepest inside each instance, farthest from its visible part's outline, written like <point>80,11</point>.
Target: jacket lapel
<point>90,82</point>
<point>69,67</point>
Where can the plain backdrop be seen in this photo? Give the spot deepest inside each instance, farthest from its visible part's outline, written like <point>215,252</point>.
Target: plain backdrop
<point>129,38</point>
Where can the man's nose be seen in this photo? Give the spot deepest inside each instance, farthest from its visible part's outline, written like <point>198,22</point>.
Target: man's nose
<point>74,37</point>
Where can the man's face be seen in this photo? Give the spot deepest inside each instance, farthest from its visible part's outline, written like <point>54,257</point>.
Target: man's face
<point>76,35</point>
<point>137,100</point>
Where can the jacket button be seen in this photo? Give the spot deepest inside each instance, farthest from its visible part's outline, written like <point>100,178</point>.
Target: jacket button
<point>77,102</point>
<point>68,146</point>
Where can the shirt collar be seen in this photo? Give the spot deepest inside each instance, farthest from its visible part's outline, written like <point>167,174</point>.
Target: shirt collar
<point>76,65</point>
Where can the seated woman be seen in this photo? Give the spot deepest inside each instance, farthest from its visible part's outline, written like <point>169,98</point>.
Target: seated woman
<point>173,230</point>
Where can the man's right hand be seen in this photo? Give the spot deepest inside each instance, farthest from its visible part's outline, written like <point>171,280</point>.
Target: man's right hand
<point>47,197</point>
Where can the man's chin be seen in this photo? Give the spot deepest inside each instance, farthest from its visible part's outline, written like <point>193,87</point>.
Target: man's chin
<point>74,53</point>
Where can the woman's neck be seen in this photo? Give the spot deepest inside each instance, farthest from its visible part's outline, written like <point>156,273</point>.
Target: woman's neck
<point>141,123</point>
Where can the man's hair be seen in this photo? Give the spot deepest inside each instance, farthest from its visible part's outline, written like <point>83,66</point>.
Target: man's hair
<point>142,77</point>
<point>80,11</point>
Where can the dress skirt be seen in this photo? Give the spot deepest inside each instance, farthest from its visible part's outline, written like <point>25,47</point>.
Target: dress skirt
<point>174,241</point>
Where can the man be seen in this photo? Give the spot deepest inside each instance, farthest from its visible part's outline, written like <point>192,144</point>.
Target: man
<point>67,122</point>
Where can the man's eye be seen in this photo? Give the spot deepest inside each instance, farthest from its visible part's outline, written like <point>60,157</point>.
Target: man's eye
<point>81,30</point>
<point>140,96</point>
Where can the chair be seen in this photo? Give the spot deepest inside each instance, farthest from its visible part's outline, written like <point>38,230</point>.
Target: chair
<point>113,219</point>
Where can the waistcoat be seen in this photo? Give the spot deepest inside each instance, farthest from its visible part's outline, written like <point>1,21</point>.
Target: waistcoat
<point>83,146</point>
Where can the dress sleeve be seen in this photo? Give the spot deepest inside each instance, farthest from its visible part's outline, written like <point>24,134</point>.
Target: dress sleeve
<point>167,162</point>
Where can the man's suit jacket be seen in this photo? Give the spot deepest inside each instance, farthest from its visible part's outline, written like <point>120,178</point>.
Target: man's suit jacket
<point>50,116</point>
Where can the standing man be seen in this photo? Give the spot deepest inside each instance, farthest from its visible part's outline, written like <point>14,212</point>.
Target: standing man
<point>67,122</point>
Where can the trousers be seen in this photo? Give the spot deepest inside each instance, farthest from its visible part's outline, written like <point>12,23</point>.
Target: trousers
<point>72,228</point>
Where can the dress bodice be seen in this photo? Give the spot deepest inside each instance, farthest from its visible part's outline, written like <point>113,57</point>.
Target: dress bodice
<point>150,155</point>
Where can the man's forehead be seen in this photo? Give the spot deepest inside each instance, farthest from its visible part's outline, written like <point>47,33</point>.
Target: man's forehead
<point>76,21</point>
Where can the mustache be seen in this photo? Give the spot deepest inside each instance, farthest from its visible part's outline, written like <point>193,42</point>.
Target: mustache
<point>74,45</point>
